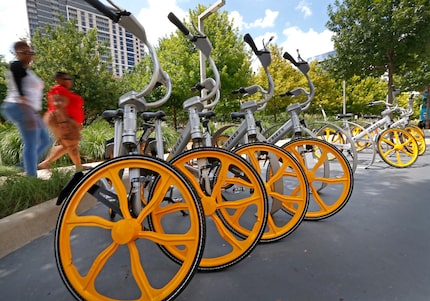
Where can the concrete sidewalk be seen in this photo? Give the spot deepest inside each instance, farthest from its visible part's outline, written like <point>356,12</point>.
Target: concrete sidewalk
<point>19,229</point>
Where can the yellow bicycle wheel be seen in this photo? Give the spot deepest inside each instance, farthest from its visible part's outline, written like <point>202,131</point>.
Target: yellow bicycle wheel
<point>329,174</point>
<point>338,137</point>
<point>330,135</point>
<point>103,259</point>
<point>232,193</point>
<point>419,137</point>
<point>397,147</point>
<point>286,186</point>
<point>365,141</point>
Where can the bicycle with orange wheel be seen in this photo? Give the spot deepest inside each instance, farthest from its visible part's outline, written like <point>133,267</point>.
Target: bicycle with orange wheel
<point>155,205</point>
<point>231,191</point>
<point>325,167</point>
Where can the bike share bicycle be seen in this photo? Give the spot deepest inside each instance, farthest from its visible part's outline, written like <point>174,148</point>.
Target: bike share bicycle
<point>230,189</point>
<point>396,143</point>
<point>103,259</point>
<point>327,170</point>
<point>285,179</point>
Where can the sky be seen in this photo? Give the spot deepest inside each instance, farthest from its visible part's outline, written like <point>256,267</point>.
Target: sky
<point>295,24</point>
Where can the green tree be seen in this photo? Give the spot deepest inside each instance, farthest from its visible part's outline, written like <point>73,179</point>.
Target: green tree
<point>3,85</point>
<point>376,36</point>
<point>64,47</point>
<point>285,78</point>
<point>328,94</point>
<point>360,91</point>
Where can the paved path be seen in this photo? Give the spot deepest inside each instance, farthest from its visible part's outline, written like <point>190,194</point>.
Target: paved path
<point>376,248</point>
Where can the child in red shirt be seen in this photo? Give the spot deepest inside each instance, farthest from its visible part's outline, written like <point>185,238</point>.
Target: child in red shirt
<point>64,118</point>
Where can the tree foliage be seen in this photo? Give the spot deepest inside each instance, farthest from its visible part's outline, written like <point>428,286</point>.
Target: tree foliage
<point>3,85</point>
<point>375,36</point>
<point>65,48</point>
<point>286,77</point>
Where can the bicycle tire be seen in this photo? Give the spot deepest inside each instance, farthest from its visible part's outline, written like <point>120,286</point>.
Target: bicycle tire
<point>338,181</point>
<point>101,259</point>
<point>397,147</point>
<point>419,137</point>
<point>286,186</point>
<point>245,204</point>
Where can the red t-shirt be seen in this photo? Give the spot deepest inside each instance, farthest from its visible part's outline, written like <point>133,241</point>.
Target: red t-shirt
<point>75,107</point>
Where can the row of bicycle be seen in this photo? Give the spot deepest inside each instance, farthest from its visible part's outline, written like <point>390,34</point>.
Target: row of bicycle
<point>397,142</point>
<point>139,225</point>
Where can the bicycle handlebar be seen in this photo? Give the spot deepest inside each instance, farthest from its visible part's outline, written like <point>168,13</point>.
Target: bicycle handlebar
<point>248,90</point>
<point>204,45</point>
<point>132,25</point>
<point>265,58</point>
<point>304,68</point>
<point>393,107</point>
<point>115,16</point>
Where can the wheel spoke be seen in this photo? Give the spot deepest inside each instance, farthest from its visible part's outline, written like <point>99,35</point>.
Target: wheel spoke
<point>97,266</point>
<point>148,292</point>
<point>169,239</point>
<point>89,221</point>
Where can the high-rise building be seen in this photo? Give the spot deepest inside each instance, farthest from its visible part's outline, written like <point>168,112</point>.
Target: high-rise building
<point>125,49</point>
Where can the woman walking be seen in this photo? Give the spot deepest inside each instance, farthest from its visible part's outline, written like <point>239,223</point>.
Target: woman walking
<point>22,105</point>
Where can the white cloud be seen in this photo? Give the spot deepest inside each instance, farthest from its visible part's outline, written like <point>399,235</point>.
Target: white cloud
<point>310,43</point>
<point>237,19</point>
<point>304,7</point>
<point>13,25</point>
<point>154,18</point>
<point>266,22</point>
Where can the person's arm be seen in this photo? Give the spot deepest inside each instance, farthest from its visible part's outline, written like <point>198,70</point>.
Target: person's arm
<point>18,72</point>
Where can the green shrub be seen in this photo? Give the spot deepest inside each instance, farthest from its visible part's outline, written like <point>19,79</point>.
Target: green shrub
<point>21,192</point>
<point>93,140</point>
<point>11,146</point>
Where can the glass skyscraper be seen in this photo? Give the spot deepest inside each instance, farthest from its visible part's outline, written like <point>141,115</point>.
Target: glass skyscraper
<point>125,49</point>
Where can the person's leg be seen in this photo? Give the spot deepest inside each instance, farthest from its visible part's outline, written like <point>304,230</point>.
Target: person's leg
<point>44,142</point>
<point>25,120</point>
<point>54,154</point>
<point>73,152</point>
<point>30,141</point>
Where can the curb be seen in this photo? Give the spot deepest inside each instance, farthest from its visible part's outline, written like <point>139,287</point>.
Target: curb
<point>20,228</point>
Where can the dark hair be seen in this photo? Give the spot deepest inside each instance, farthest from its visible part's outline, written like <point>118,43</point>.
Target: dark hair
<point>60,74</point>
<point>19,45</point>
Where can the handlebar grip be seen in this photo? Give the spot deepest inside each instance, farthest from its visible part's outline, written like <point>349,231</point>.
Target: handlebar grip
<point>247,90</point>
<point>240,90</point>
<point>288,56</point>
<point>104,10</point>
<point>178,24</point>
<point>197,87</point>
<point>288,93</point>
<point>250,41</point>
